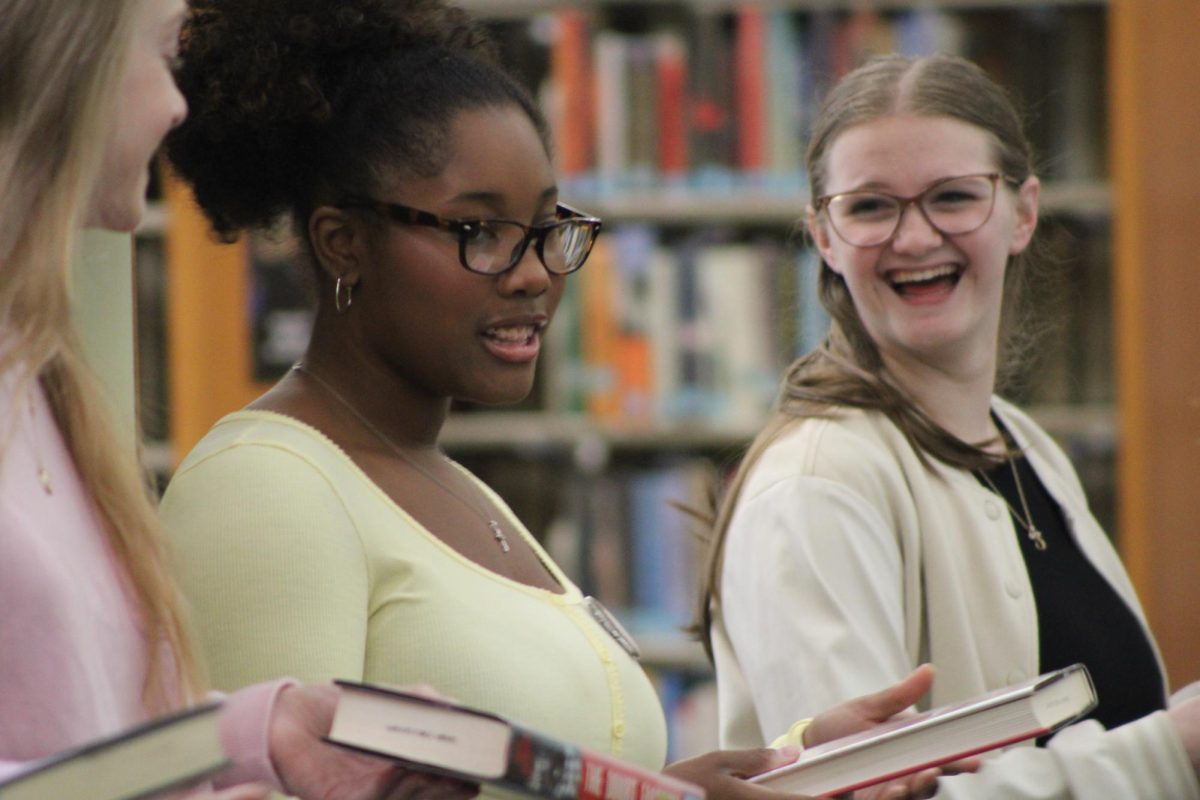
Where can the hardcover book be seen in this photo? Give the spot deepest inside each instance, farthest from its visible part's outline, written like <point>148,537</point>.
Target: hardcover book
<point>169,752</point>
<point>940,735</point>
<point>475,746</point>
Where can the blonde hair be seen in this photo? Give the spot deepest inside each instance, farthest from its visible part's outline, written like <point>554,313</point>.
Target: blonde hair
<point>847,369</point>
<point>61,62</point>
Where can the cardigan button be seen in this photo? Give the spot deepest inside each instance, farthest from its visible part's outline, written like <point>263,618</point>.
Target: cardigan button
<point>1012,588</point>
<point>992,509</point>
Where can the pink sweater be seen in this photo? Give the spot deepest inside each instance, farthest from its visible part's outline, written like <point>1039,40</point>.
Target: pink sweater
<point>72,660</point>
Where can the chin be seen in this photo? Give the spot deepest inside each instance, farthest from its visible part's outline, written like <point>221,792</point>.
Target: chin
<point>117,217</point>
<point>500,395</point>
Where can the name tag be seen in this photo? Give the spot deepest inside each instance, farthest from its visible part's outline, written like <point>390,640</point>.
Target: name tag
<point>605,619</point>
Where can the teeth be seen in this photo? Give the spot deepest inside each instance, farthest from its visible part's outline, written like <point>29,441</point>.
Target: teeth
<point>516,333</point>
<point>915,276</point>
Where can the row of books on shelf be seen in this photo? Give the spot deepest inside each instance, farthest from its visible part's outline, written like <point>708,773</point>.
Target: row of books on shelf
<point>445,738</point>
<point>699,329</point>
<point>631,537</point>
<point>716,101</point>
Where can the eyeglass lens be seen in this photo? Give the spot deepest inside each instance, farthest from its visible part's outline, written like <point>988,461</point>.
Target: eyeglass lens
<point>955,206</point>
<point>494,246</point>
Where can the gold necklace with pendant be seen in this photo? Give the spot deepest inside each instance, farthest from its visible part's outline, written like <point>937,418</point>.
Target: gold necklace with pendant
<point>493,525</point>
<point>1026,522</point>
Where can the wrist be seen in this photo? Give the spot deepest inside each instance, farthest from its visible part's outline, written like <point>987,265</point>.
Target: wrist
<point>795,735</point>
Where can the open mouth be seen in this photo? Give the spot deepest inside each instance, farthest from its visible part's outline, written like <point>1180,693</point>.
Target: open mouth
<point>917,283</point>
<point>514,343</point>
<point>514,334</point>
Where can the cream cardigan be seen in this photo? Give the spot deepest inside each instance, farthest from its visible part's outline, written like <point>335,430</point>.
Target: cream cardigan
<point>848,562</point>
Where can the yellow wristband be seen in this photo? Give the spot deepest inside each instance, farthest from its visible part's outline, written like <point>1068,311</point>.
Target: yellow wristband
<point>794,735</point>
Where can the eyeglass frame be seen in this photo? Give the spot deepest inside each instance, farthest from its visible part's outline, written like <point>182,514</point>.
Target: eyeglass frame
<point>461,227</point>
<point>822,204</point>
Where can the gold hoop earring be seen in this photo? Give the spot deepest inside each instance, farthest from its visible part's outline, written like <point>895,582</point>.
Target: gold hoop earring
<point>337,295</point>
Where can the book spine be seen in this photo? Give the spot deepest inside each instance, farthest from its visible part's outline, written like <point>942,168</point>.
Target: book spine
<point>750,80</point>
<point>606,778</point>
<point>552,769</point>
<point>671,74</point>
<point>542,767</point>
<point>571,77</point>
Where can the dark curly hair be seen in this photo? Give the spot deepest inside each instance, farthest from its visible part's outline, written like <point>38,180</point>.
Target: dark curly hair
<point>299,103</point>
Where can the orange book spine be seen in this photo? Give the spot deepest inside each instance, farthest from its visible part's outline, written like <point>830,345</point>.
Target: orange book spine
<point>671,67</point>
<point>600,333</point>
<point>571,77</point>
<point>750,80</point>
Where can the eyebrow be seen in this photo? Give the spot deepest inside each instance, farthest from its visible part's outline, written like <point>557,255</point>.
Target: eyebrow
<point>880,187</point>
<point>495,200</point>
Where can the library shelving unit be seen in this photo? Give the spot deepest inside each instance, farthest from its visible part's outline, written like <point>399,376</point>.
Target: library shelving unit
<point>577,466</point>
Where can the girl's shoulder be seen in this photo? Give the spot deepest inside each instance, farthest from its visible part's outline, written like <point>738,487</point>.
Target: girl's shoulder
<point>862,450</point>
<point>267,432</point>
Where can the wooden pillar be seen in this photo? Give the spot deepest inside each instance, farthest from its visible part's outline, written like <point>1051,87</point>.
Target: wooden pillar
<point>209,351</point>
<point>1155,124</point>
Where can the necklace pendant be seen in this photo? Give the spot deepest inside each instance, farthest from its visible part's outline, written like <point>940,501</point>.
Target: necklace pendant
<point>1039,541</point>
<point>44,479</point>
<point>498,534</point>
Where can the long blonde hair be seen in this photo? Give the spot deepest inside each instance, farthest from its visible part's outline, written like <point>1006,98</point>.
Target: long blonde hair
<point>847,369</point>
<point>61,62</point>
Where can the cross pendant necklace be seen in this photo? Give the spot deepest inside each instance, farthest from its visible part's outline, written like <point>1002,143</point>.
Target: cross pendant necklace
<point>493,525</point>
<point>1026,522</point>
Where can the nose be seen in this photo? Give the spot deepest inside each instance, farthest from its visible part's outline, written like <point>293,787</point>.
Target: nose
<point>179,106</point>
<point>528,278</point>
<point>914,232</point>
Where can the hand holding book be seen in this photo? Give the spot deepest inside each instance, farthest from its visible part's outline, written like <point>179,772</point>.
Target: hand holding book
<point>723,773</point>
<point>910,744</point>
<point>868,711</point>
<point>450,739</point>
<point>309,767</point>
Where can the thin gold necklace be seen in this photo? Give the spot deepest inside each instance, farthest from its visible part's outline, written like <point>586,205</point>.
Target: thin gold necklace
<point>1031,530</point>
<point>493,525</point>
<point>43,474</point>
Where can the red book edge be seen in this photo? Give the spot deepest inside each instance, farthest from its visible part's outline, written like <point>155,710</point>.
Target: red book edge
<point>750,80</point>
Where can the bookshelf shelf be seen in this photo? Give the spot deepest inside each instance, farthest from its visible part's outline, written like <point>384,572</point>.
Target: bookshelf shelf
<point>154,221</point>
<point>534,430</point>
<point>1093,423</point>
<point>697,207</point>
<point>493,431</point>
<point>673,651</point>
<point>524,8</point>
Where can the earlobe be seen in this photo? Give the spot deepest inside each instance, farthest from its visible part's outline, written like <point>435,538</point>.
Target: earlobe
<point>1028,195</point>
<point>337,241</point>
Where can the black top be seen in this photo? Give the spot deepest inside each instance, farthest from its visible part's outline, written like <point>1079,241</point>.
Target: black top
<point>1080,616</point>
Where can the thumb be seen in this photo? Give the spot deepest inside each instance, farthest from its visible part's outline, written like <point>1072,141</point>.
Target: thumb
<point>898,697</point>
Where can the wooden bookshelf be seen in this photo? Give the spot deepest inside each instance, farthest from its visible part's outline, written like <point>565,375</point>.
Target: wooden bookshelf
<point>1155,116</point>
